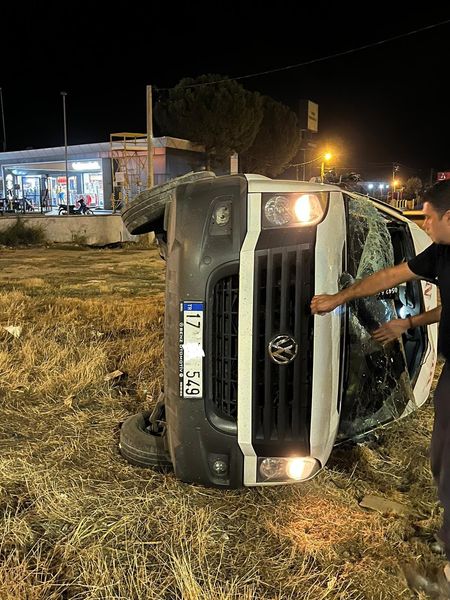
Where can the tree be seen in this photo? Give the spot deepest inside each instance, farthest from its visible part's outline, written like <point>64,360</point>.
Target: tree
<point>276,142</point>
<point>211,110</point>
<point>413,186</point>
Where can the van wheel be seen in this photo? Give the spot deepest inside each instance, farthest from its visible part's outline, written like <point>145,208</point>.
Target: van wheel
<point>149,205</point>
<point>141,446</point>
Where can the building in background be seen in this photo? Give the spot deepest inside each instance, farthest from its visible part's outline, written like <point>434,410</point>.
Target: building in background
<point>99,172</point>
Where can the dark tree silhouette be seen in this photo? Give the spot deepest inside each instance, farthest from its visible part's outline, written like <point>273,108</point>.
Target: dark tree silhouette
<point>276,142</point>
<point>211,110</point>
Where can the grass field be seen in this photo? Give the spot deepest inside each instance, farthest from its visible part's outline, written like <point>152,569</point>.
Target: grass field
<point>79,523</point>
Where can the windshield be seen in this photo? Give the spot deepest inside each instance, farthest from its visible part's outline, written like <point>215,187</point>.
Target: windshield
<point>377,387</point>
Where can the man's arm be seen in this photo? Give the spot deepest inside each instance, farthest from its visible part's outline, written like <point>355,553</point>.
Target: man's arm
<point>395,328</point>
<point>382,280</point>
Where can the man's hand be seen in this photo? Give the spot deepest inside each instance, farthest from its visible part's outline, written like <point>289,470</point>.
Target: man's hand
<point>391,330</point>
<point>325,303</point>
<point>369,286</point>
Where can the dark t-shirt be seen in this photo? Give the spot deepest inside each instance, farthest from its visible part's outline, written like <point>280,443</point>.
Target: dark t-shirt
<point>433,264</point>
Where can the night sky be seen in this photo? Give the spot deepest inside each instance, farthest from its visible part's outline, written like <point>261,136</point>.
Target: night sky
<point>382,105</point>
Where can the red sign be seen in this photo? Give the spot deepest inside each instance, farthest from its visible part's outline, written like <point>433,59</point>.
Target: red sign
<point>443,175</point>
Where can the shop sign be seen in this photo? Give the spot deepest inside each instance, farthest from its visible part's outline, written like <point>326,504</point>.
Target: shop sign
<point>87,165</point>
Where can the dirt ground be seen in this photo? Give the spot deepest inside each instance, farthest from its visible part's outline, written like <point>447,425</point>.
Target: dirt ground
<point>79,523</point>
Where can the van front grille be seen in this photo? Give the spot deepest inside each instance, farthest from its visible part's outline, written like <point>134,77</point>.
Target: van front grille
<point>282,393</point>
<point>224,342</point>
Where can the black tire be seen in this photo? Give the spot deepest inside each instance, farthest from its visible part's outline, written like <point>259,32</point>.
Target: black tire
<point>89,211</point>
<point>149,205</point>
<point>141,447</point>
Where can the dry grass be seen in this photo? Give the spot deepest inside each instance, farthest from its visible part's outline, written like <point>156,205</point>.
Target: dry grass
<point>79,523</point>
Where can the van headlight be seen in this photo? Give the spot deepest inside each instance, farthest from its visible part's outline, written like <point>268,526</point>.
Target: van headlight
<point>294,468</point>
<point>278,211</point>
<point>293,210</point>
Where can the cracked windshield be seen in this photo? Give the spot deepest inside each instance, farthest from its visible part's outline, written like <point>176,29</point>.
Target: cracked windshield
<point>378,387</point>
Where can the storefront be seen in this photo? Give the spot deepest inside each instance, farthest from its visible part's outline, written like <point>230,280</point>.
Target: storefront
<point>36,179</point>
<point>86,181</point>
<point>43,185</point>
<point>101,173</point>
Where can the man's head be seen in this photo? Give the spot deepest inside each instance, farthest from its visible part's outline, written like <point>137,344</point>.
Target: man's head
<point>436,207</point>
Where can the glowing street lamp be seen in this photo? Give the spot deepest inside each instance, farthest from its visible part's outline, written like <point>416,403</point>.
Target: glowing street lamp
<point>326,157</point>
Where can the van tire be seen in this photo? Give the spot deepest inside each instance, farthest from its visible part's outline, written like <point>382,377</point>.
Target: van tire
<point>148,206</point>
<point>141,447</point>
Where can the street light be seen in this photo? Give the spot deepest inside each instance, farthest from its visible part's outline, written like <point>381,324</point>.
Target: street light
<point>326,157</point>
<point>64,94</point>
<point>323,157</point>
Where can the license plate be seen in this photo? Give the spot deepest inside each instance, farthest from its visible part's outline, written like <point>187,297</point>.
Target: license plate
<point>191,350</point>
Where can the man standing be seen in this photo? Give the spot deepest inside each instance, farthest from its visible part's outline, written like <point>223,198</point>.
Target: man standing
<point>433,264</point>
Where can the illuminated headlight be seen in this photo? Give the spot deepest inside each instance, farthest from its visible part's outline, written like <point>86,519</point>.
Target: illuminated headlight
<point>287,469</point>
<point>294,210</point>
<point>307,209</point>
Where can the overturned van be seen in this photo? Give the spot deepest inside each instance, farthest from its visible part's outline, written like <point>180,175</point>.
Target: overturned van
<point>257,391</point>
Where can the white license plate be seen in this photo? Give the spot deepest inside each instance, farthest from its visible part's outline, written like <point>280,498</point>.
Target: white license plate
<point>191,350</point>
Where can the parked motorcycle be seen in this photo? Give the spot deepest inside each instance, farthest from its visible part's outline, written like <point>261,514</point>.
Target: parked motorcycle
<point>81,210</point>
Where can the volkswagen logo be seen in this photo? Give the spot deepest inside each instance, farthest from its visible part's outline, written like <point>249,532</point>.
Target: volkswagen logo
<point>282,349</point>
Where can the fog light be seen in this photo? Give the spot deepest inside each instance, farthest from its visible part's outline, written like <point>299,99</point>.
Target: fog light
<point>219,467</point>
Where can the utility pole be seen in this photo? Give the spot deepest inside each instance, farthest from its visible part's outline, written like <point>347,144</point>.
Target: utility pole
<point>64,94</point>
<point>395,169</point>
<point>3,120</point>
<point>303,165</point>
<point>149,138</point>
<point>303,144</point>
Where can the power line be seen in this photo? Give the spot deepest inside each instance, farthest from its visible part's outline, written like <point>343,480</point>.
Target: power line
<point>322,58</point>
